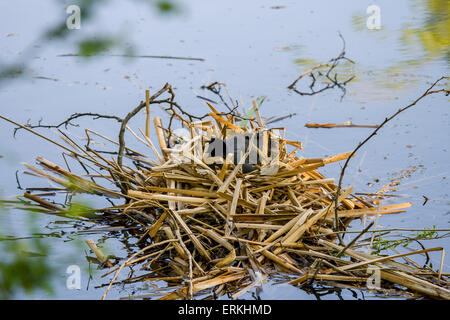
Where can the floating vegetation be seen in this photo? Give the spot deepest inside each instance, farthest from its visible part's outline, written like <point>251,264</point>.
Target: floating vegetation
<point>224,203</point>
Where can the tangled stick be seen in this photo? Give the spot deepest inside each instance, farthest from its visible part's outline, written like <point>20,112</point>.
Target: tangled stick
<point>215,87</point>
<point>333,81</point>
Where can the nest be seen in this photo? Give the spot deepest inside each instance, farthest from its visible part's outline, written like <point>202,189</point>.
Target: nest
<point>209,227</point>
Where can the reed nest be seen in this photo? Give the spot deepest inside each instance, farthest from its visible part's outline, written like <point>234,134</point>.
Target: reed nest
<point>215,229</point>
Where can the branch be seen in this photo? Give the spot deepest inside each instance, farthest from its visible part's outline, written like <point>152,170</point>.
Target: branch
<point>68,121</point>
<point>215,87</point>
<point>429,91</point>
<point>131,115</point>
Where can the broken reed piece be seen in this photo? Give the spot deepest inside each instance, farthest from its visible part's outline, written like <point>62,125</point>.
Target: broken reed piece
<point>334,125</point>
<point>160,135</point>
<point>98,253</point>
<point>258,115</point>
<point>42,202</point>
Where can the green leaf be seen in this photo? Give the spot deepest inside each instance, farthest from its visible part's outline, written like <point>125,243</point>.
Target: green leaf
<point>251,112</point>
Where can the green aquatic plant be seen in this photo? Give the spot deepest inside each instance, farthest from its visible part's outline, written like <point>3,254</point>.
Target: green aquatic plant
<point>251,112</point>
<point>381,244</point>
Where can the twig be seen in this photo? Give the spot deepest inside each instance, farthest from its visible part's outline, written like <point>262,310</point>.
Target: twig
<point>147,107</point>
<point>215,87</point>
<point>69,120</point>
<point>136,56</point>
<point>128,118</point>
<point>334,125</point>
<point>17,180</point>
<point>355,239</point>
<point>332,80</point>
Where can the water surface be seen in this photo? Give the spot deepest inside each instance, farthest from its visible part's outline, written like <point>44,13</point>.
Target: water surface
<point>257,48</point>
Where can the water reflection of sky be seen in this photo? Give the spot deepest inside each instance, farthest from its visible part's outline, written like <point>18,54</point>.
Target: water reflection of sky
<point>256,49</point>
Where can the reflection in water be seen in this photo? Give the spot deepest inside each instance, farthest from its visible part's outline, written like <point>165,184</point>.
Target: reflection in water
<point>434,33</point>
<point>27,266</point>
<point>24,265</point>
<point>420,43</point>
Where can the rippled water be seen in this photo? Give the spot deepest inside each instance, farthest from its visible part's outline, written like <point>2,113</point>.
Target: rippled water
<point>257,48</point>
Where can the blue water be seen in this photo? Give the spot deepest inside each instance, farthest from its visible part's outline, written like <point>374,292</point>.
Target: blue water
<point>257,50</point>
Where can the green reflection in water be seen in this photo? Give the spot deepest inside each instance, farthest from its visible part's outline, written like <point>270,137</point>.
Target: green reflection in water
<point>27,262</point>
<point>24,263</point>
<point>434,33</point>
<point>424,39</point>
<point>423,42</point>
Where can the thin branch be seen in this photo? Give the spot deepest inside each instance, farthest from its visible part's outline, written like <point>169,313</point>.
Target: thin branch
<point>426,93</point>
<point>128,118</point>
<point>215,87</point>
<point>68,121</point>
